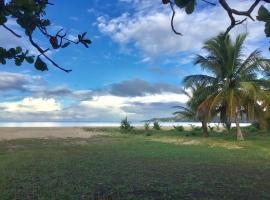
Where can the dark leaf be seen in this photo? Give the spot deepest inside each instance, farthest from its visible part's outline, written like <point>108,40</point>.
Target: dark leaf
<point>190,7</point>
<point>66,45</point>
<point>165,1</point>
<point>40,65</point>
<point>54,42</point>
<point>30,59</point>
<point>88,41</point>
<point>18,50</point>
<point>263,14</point>
<point>83,35</point>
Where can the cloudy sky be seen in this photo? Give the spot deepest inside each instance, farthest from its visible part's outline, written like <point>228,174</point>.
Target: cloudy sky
<point>134,67</point>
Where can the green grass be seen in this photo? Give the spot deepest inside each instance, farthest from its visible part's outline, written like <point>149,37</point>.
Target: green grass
<point>160,165</point>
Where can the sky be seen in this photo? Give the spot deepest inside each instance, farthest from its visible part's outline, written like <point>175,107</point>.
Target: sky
<point>134,67</point>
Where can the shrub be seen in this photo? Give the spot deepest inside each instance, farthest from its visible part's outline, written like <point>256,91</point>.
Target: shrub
<point>179,128</point>
<point>211,128</point>
<point>156,126</point>
<point>147,126</point>
<point>149,134</point>
<point>125,125</point>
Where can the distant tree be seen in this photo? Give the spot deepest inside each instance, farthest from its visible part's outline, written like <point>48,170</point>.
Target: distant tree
<point>235,83</point>
<point>156,126</point>
<point>30,16</point>
<point>196,96</point>
<point>190,5</point>
<point>126,125</point>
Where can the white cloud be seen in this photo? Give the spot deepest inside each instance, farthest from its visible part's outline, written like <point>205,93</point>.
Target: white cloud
<point>31,105</point>
<point>116,105</point>
<point>151,32</point>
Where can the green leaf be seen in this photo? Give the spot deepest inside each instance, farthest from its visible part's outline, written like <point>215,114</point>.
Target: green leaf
<point>267,29</point>
<point>181,3</point>
<point>3,20</point>
<point>40,65</point>
<point>263,14</point>
<point>18,50</point>
<point>190,7</point>
<point>29,59</point>
<point>66,45</point>
<point>18,61</point>
<point>3,61</point>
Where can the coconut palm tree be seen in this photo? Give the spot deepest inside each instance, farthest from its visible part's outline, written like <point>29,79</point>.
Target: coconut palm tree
<point>190,110</point>
<point>232,82</point>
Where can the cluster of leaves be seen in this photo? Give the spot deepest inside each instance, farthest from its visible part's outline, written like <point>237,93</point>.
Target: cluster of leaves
<point>179,128</point>
<point>188,5</point>
<point>126,125</point>
<point>264,16</point>
<point>147,126</point>
<point>156,126</point>
<point>15,53</point>
<point>30,16</point>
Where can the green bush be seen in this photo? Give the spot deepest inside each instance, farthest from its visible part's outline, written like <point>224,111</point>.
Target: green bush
<point>125,125</point>
<point>148,134</point>
<point>179,128</point>
<point>156,126</point>
<point>147,126</point>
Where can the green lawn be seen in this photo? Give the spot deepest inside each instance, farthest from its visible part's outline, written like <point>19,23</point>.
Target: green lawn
<point>165,165</point>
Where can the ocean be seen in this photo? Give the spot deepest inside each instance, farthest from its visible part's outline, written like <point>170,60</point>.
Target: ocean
<point>98,124</point>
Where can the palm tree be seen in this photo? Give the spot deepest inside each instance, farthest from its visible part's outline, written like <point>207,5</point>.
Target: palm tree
<point>233,83</point>
<point>190,110</point>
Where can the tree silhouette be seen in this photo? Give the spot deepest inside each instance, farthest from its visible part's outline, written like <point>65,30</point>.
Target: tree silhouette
<point>30,16</point>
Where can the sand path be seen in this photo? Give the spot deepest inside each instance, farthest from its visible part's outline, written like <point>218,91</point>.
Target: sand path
<point>23,133</point>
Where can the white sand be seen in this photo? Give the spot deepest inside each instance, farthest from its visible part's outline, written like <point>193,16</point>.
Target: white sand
<point>20,133</point>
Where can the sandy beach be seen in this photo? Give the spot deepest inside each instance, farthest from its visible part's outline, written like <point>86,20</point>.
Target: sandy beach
<point>45,133</point>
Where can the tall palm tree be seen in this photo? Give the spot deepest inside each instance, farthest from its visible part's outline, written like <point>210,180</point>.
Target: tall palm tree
<point>233,82</point>
<point>196,97</point>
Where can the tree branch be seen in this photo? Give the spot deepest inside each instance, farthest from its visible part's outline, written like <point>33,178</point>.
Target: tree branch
<point>10,30</point>
<point>231,12</point>
<point>172,20</point>
<point>213,4</point>
<point>43,53</point>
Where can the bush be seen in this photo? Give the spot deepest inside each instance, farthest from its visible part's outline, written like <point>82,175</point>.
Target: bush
<point>149,134</point>
<point>147,126</point>
<point>156,126</point>
<point>179,128</point>
<point>125,125</point>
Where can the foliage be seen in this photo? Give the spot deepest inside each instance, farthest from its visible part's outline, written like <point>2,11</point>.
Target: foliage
<point>147,126</point>
<point>179,128</point>
<point>190,5</point>
<point>264,16</point>
<point>30,16</point>
<point>233,86</point>
<point>126,125</point>
<point>156,126</point>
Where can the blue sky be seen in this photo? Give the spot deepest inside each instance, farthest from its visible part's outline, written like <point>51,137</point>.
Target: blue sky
<point>134,67</point>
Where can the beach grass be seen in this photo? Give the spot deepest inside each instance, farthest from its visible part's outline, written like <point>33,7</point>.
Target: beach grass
<point>137,165</point>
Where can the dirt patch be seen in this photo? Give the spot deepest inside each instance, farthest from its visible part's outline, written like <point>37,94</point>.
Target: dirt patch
<point>226,145</point>
<point>177,141</point>
<point>46,133</point>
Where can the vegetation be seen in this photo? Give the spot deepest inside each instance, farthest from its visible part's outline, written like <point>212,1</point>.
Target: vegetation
<point>156,126</point>
<point>125,125</point>
<point>30,17</point>
<point>190,6</point>
<point>147,126</point>
<point>235,87</point>
<point>179,128</point>
<point>165,166</point>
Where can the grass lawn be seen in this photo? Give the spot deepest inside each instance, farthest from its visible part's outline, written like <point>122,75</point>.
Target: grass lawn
<point>164,165</point>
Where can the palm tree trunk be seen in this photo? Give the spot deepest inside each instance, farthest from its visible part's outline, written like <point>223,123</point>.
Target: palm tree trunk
<point>239,133</point>
<point>205,129</point>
